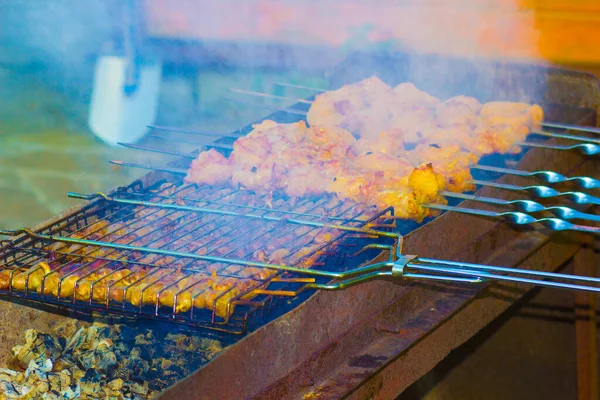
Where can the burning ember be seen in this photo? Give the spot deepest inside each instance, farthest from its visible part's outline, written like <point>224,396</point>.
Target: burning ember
<point>101,362</point>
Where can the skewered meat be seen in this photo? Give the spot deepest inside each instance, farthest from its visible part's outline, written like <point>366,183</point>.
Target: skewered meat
<point>408,93</point>
<point>210,168</point>
<point>379,162</point>
<point>450,161</point>
<point>387,142</point>
<point>423,119</point>
<point>330,108</point>
<point>458,111</point>
<point>496,110</point>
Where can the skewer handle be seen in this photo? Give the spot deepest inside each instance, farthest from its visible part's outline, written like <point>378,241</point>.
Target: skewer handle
<point>529,206</point>
<point>482,272</point>
<point>565,136</point>
<point>544,192</point>
<point>579,128</point>
<point>551,177</point>
<point>520,218</point>
<point>588,149</point>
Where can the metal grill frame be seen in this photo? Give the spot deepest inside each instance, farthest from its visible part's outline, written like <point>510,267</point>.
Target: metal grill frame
<point>27,251</point>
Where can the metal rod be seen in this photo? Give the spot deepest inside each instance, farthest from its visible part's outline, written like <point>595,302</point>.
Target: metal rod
<point>498,277</point>
<point>529,206</point>
<point>271,96</point>
<point>206,133</point>
<point>196,142</point>
<point>544,192</point>
<point>233,214</point>
<point>571,127</point>
<point>252,104</point>
<point>155,150</point>
<point>588,149</point>
<point>565,136</point>
<point>516,271</point>
<point>520,218</point>
<point>270,210</point>
<point>290,85</point>
<point>552,177</point>
<point>178,171</point>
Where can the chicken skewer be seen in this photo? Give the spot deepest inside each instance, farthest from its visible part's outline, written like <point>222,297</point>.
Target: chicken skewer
<point>515,217</point>
<point>374,170</point>
<point>585,182</point>
<point>304,101</point>
<point>572,127</point>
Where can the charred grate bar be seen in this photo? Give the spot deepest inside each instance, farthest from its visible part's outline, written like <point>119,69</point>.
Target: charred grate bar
<point>110,271</point>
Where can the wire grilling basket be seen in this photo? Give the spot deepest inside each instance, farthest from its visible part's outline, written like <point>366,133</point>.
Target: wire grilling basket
<point>219,258</point>
<point>146,252</point>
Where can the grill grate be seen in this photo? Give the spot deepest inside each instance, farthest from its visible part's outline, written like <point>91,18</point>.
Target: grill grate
<point>111,271</point>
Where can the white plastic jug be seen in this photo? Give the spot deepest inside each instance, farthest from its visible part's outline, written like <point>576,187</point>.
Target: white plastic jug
<point>116,116</point>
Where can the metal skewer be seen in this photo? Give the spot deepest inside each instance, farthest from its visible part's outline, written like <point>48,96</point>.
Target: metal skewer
<point>271,96</point>
<point>260,105</point>
<point>155,150</point>
<point>544,192</point>
<point>196,142</point>
<point>178,171</point>
<point>520,218</point>
<point>588,149</point>
<point>571,127</point>
<point>206,133</point>
<point>564,136</point>
<point>312,89</point>
<point>551,177</point>
<point>528,206</point>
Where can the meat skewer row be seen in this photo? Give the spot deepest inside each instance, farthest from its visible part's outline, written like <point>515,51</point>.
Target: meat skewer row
<point>355,147</point>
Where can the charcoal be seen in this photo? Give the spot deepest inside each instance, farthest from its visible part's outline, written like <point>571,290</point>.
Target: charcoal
<point>102,362</point>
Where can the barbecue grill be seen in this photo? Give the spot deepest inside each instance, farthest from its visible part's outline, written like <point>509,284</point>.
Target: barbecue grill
<point>346,242</point>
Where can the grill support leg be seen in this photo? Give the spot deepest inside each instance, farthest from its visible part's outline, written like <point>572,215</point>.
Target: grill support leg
<point>585,262</point>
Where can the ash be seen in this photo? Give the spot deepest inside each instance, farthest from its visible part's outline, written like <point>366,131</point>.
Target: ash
<point>101,362</point>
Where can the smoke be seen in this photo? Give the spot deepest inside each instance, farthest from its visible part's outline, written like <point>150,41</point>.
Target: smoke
<point>317,35</point>
<point>463,27</point>
<point>64,36</point>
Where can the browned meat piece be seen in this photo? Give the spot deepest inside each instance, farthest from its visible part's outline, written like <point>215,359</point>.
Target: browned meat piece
<point>210,168</point>
<point>458,111</point>
<point>333,108</point>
